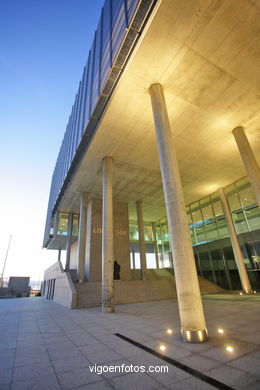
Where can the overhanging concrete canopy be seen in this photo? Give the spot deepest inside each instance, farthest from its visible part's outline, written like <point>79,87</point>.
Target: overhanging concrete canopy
<point>206,55</point>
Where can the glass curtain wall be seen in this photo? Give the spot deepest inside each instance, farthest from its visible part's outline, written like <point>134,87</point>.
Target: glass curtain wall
<point>210,237</point>
<point>149,244</point>
<point>63,224</point>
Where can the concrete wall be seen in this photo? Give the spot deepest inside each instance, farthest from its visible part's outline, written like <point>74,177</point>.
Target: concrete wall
<point>19,285</point>
<point>94,240</point>
<point>64,290</point>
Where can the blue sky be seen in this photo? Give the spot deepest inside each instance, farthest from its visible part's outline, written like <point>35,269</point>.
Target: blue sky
<point>44,47</point>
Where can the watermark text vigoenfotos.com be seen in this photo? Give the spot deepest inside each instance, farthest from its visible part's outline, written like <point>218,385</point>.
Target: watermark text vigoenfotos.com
<point>124,368</point>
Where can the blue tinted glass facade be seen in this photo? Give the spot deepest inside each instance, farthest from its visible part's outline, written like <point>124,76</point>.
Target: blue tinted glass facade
<point>118,30</point>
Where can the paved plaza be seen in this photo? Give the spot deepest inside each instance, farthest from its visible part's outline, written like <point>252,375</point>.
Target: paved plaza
<point>47,346</point>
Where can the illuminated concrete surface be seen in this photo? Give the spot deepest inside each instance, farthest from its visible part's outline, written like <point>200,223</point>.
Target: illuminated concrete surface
<point>47,346</point>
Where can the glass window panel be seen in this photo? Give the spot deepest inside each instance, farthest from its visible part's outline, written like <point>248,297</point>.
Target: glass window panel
<point>200,235</point>
<point>63,224</point>
<point>191,225</point>
<point>205,265</point>
<point>249,204</point>
<point>209,220</point>
<point>158,234</point>
<point>256,256</point>
<point>164,230</point>
<point>197,223</point>
<point>150,260</point>
<point>219,268</point>
<point>75,227</point>
<point>253,217</point>
<point>133,232</point>
<point>131,260</point>
<point>137,260</point>
<point>164,260</point>
<point>236,209</point>
<point>148,232</point>
<point>219,216</point>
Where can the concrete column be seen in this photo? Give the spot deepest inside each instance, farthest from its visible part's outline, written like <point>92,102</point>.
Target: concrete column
<point>193,326</point>
<point>107,238</point>
<point>68,244</point>
<point>155,245</point>
<point>235,245</point>
<point>249,160</point>
<point>140,222</point>
<point>82,237</point>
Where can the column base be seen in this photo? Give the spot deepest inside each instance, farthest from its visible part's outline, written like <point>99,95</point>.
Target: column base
<point>194,336</point>
<point>108,309</point>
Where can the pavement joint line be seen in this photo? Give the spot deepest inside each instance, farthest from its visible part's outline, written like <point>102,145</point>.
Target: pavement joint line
<point>197,374</point>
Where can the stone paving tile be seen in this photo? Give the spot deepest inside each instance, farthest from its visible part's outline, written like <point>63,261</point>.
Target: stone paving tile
<point>191,384</point>
<point>92,348</point>
<point>200,363</point>
<point>32,371</point>
<point>173,351</point>
<point>173,375</point>
<point>5,376</point>
<point>254,385</point>
<point>128,350</point>
<point>22,358</point>
<point>49,382</point>
<point>220,353</point>
<point>117,368</point>
<point>7,359</point>
<point>66,364</point>
<point>7,344</point>
<point>69,338</point>
<point>64,353</point>
<point>232,377</point>
<point>248,364</point>
<point>54,339</point>
<point>103,357</point>
<point>96,386</point>
<point>67,344</point>
<point>32,348</point>
<point>77,377</point>
<point>135,381</point>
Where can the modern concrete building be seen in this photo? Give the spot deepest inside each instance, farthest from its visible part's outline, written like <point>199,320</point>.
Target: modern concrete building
<point>158,167</point>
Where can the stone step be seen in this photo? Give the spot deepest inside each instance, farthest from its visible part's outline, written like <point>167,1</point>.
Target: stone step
<point>90,293</point>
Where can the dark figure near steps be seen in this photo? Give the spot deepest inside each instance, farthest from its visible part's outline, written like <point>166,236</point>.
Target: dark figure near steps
<point>116,271</point>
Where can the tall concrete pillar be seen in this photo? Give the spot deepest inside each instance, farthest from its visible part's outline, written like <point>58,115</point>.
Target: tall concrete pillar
<point>142,249</point>
<point>235,245</point>
<point>82,236</point>
<point>155,246</point>
<point>107,238</point>
<point>193,326</point>
<point>68,244</point>
<point>249,160</point>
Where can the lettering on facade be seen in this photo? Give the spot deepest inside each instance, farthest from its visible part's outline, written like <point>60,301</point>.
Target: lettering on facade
<point>117,232</point>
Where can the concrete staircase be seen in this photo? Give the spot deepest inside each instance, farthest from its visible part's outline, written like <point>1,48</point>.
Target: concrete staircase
<point>207,287</point>
<point>130,291</point>
<point>88,294</point>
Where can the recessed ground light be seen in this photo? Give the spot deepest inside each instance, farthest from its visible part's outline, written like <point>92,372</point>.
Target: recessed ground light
<point>229,348</point>
<point>221,331</point>
<point>162,347</point>
<point>240,293</point>
<point>169,331</point>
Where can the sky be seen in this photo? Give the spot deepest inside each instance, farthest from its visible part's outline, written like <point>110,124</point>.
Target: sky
<point>44,46</point>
